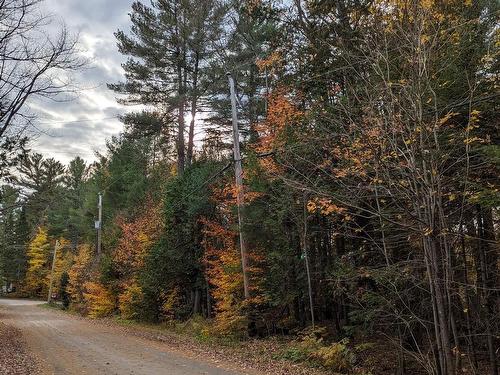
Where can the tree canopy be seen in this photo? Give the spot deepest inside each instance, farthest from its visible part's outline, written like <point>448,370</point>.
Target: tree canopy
<point>371,183</point>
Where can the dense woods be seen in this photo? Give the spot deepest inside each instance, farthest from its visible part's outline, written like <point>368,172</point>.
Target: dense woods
<point>371,160</point>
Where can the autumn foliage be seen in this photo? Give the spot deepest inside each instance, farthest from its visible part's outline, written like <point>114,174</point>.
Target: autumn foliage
<point>79,273</point>
<point>100,302</point>
<point>223,269</point>
<point>137,236</point>
<point>39,250</point>
<point>371,198</point>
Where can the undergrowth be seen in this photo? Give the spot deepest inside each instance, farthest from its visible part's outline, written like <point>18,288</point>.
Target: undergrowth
<point>313,347</point>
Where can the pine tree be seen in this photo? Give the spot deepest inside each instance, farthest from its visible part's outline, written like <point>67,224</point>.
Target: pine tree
<point>44,177</point>
<point>13,236</point>
<point>169,44</point>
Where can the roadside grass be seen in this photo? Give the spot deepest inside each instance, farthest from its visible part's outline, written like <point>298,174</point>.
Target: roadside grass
<point>195,328</point>
<point>51,305</point>
<point>59,307</point>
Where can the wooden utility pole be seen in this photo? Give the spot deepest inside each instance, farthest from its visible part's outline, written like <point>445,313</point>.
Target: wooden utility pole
<point>306,258</point>
<point>240,198</point>
<point>99,225</point>
<point>49,297</point>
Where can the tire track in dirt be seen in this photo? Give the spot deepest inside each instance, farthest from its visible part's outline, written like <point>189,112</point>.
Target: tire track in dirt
<point>68,345</point>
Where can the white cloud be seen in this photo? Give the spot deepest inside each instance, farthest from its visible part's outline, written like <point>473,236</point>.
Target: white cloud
<point>81,125</point>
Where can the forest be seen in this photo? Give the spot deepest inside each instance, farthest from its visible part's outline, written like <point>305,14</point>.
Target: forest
<point>367,223</point>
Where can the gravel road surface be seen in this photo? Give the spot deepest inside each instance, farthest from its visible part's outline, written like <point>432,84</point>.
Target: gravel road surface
<point>69,345</point>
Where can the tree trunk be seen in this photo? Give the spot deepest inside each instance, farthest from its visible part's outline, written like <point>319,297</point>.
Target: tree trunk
<point>488,262</point>
<point>180,137</point>
<point>197,301</point>
<point>470,336</point>
<point>440,357</point>
<point>194,103</point>
<point>180,54</point>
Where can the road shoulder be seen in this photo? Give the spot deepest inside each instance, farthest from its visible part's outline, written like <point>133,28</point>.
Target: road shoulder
<point>15,356</point>
<point>250,357</point>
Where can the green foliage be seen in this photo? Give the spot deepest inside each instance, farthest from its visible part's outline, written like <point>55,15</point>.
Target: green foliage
<point>131,303</point>
<point>370,143</point>
<point>336,356</point>
<point>311,347</point>
<point>63,290</point>
<point>13,237</point>
<point>176,261</point>
<point>197,327</point>
<point>492,152</point>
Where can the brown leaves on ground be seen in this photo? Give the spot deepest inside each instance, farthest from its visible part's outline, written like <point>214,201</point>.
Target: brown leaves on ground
<point>252,357</point>
<point>15,359</point>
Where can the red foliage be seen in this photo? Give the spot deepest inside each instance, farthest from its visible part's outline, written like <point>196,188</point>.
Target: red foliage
<point>136,239</point>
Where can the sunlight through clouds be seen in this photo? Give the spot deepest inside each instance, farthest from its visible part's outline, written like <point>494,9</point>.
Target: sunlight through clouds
<point>77,124</point>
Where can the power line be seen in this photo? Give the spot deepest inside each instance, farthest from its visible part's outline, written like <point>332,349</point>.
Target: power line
<point>78,121</point>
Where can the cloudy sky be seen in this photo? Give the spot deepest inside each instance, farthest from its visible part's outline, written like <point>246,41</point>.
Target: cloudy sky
<point>81,125</point>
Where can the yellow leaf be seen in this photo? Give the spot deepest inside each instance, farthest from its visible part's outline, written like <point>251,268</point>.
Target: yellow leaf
<point>468,141</point>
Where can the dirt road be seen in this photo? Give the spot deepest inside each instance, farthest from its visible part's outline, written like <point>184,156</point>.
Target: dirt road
<point>69,345</point>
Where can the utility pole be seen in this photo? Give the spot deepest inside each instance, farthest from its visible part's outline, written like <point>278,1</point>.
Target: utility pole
<point>240,198</point>
<point>49,297</point>
<point>99,225</point>
<point>306,258</point>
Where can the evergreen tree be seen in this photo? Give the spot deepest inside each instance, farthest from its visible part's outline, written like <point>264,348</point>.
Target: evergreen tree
<point>44,178</point>
<point>13,236</point>
<point>169,46</point>
<point>175,264</point>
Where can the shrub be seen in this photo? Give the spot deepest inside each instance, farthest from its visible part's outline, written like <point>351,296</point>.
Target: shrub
<point>337,356</point>
<point>100,302</point>
<point>131,302</point>
<point>171,303</point>
<point>310,340</point>
<point>311,347</point>
<point>229,323</point>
